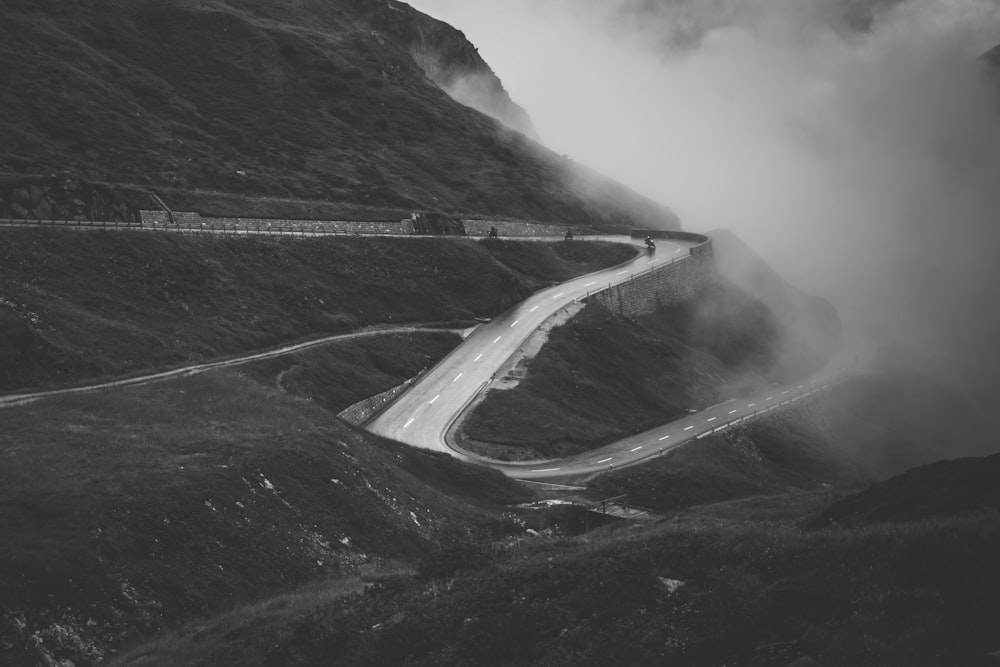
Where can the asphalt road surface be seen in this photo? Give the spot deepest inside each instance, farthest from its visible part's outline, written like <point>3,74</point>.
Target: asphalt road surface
<point>422,416</point>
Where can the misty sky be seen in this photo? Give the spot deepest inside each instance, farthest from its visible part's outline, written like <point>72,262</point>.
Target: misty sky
<point>853,143</point>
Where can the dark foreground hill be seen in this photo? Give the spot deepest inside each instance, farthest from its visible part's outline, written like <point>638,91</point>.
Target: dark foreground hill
<point>739,583</point>
<point>336,100</point>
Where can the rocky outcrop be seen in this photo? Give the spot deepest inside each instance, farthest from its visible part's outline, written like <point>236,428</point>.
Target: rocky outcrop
<point>452,62</point>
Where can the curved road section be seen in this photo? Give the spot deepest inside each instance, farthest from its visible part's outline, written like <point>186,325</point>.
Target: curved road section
<point>423,415</point>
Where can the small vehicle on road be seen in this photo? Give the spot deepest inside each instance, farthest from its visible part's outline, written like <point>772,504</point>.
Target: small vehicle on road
<point>650,244</point>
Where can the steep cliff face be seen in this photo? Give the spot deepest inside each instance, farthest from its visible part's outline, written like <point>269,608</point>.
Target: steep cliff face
<point>334,100</point>
<point>453,63</point>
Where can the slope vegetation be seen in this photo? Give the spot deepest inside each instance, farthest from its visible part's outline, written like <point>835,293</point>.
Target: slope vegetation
<point>79,306</point>
<point>124,511</point>
<point>313,100</point>
<point>736,583</point>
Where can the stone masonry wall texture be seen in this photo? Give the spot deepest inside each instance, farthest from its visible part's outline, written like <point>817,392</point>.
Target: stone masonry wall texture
<point>189,220</point>
<point>662,286</point>
<point>364,410</point>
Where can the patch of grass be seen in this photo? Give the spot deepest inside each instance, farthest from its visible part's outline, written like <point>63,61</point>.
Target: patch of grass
<point>756,592</point>
<point>545,263</point>
<point>126,511</point>
<point>338,375</point>
<point>83,306</point>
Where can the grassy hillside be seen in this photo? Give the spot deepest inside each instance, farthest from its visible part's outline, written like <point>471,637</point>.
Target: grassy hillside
<point>606,377</point>
<point>127,511</point>
<point>756,589</point>
<point>300,100</point>
<point>81,306</point>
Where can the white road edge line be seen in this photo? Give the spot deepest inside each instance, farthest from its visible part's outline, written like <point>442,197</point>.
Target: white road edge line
<point>408,422</point>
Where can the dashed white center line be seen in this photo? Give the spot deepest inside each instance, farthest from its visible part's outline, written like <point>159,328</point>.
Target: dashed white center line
<point>784,392</point>
<point>558,295</point>
<point>711,419</point>
<point>635,449</point>
<point>590,283</point>
<point>497,339</point>
<point>434,399</point>
<point>688,428</point>
<point>408,422</point>
<point>514,323</point>
<point>478,358</point>
<point>456,377</point>
<point>546,469</point>
<point>531,311</point>
<point>732,412</point>
<point>750,405</point>
<point>620,273</point>
<point>664,437</point>
<point>605,460</point>
<point>769,398</point>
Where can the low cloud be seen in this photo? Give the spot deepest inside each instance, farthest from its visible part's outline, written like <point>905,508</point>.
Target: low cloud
<point>854,144</point>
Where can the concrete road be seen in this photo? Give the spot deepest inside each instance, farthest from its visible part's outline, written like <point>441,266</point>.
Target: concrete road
<point>422,416</point>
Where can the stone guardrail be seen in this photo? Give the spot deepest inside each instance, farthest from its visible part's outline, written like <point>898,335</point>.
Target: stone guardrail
<point>364,410</point>
<point>190,222</point>
<point>664,285</point>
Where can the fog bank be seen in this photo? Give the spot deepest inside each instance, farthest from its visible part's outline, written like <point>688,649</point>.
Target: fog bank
<point>855,145</point>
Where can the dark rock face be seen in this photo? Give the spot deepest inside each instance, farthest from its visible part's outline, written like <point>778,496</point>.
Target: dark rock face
<point>452,62</point>
<point>339,101</point>
<point>61,197</point>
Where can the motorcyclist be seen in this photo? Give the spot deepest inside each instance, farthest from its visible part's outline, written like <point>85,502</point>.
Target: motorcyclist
<point>569,235</point>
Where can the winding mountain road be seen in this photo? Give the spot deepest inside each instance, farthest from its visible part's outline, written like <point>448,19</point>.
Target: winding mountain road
<point>424,415</point>
<point>12,400</point>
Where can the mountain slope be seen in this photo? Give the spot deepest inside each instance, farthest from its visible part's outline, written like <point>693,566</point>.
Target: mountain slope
<point>303,99</point>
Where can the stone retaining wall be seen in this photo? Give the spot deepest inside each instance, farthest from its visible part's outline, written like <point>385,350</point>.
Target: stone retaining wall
<point>481,227</point>
<point>190,220</point>
<point>362,411</point>
<point>663,286</point>
<point>473,227</point>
